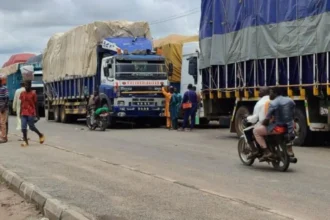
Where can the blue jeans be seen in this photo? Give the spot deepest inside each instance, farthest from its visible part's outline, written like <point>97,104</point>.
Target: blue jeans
<point>29,120</point>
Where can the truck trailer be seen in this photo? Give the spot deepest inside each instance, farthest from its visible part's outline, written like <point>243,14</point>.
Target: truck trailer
<point>245,45</point>
<point>114,58</point>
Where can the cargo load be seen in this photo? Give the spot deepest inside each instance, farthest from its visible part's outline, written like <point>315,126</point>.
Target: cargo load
<point>74,53</point>
<point>234,31</point>
<point>18,58</point>
<point>10,69</point>
<point>171,48</point>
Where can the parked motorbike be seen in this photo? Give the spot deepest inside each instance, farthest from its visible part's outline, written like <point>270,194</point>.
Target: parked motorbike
<point>100,120</point>
<point>277,144</point>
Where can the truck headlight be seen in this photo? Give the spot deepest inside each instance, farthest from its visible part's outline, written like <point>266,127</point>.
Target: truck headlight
<point>121,103</point>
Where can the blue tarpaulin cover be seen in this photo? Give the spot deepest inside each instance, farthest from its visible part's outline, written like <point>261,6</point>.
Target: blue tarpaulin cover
<point>240,30</point>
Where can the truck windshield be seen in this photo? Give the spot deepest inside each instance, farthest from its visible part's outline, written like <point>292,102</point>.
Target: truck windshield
<point>37,78</point>
<point>132,71</point>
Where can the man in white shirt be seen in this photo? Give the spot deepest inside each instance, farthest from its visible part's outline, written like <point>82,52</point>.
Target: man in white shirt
<point>17,106</point>
<point>259,114</point>
<point>259,111</point>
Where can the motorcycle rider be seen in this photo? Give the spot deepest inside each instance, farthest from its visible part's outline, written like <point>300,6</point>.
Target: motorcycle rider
<point>258,116</point>
<point>279,119</point>
<point>93,104</point>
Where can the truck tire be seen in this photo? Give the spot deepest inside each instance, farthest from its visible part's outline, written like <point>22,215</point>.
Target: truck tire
<point>241,113</point>
<point>57,117</point>
<point>204,121</point>
<point>49,115</point>
<point>302,131</point>
<point>63,115</point>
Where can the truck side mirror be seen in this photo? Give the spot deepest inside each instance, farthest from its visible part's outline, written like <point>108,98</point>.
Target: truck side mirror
<point>170,69</point>
<point>193,66</point>
<point>106,71</point>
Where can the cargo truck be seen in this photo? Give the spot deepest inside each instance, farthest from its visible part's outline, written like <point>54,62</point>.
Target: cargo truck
<point>14,79</point>
<point>252,43</point>
<point>114,58</point>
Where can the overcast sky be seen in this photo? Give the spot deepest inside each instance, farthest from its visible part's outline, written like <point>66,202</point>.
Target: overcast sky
<point>26,25</point>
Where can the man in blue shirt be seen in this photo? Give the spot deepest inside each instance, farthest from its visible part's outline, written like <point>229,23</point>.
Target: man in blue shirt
<point>189,105</point>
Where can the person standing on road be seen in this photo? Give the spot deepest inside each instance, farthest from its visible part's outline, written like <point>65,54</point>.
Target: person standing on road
<point>4,98</point>
<point>175,101</point>
<point>189,105</point>
<point>168,96</point>
<point>17,106</point>
<point>198,95</point>
<point>198,104</point>
<point>94,103</point>
<point>28,113</point>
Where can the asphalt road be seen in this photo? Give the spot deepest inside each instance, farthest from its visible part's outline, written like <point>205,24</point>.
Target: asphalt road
<point>160,174</point>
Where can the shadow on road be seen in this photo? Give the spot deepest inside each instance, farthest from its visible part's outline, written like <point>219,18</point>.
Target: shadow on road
<point>263,167</point>
<point>132,125</point>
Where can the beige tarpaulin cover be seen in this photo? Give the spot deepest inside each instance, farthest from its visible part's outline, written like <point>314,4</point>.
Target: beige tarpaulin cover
<point>9,69</point>
<point>171,47</point>
<point>74,53</point>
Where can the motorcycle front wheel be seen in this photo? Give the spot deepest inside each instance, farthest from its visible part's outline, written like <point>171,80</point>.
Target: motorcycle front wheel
<point>282,162</point>
<point>243,152</point>
<point>89,124</point>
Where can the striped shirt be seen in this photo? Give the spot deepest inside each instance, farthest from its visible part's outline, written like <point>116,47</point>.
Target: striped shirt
<point>3,97</point>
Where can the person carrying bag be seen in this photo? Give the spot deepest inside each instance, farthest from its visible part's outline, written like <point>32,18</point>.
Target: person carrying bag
<point>189,105</point>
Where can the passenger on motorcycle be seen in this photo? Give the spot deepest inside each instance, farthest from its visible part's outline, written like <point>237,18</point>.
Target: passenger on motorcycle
<point>259,115</point>
<point>93,104</point>
<point>279,119</point>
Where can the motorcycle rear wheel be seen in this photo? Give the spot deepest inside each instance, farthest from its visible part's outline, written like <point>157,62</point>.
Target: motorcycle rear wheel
<point>282,154</point>
<point>103,124</point>
<point>241,147</point>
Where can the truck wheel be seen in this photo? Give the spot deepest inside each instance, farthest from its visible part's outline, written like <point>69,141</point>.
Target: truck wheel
<point>49,115</point>
<point>64,116</point>
<point>301,129</point>
<point>241,113</point>
<point>57,117</point>
<point>204,121</point>
<point>42,112</point>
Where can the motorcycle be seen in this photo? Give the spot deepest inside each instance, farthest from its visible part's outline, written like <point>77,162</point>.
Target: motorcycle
<point>101,120</point>
<point>277,144</point>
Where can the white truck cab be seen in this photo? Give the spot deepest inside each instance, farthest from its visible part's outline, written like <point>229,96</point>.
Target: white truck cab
<point>190,73</point>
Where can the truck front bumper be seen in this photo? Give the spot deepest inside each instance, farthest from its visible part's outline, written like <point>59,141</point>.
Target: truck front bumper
<point>128,111</point>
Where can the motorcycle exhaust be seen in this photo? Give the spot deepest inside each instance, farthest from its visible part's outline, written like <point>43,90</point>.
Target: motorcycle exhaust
<point>293,160</point>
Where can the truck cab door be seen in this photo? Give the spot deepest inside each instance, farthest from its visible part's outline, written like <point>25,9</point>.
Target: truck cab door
<point>107,72</point>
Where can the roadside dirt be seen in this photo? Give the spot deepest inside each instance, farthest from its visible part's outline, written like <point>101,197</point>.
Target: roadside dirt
<point>13,207</point>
